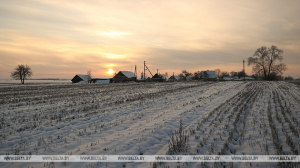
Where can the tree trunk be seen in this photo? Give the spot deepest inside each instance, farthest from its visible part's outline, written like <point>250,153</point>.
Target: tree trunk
<point>265,73</point>
<point>270,69</point>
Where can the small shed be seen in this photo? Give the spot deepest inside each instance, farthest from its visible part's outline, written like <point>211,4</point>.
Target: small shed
<point>124,76</point>
<point>101,80</point>
<point>81,79</point>
<point>157,78</point>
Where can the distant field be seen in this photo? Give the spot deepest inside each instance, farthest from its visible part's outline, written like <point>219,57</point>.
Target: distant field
<point>13,82</point>
<point>258,118</point>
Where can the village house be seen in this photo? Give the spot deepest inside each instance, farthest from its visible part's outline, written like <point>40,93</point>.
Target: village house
<point>124,76</point>
<point>173,78</point>
<point>157,78</point>
<point>81,79</point>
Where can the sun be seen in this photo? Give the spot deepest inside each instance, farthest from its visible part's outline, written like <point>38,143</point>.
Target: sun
<point>110,71</point>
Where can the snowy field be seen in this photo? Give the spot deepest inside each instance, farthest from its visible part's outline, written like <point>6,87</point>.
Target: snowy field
<point>14,82</point>
<point>259,118</point>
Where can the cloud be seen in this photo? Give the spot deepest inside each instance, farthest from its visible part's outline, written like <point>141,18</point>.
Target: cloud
<point>74,36</point>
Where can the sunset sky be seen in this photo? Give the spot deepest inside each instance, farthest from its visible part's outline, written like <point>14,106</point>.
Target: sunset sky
<point>59,39</point>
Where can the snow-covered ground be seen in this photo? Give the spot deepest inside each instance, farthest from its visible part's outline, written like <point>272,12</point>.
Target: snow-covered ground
<point>35,81</point>
<point>252,118</point>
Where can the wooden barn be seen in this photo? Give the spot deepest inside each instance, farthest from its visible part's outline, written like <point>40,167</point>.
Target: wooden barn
<point>81,79</point>
<point>157,78</point>
<point>124,76</point>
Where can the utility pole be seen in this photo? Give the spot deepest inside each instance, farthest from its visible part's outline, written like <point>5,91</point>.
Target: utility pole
<point>145,66</point>
<point>144,70</point>
<point>135,73</point>
<point>244,69</point>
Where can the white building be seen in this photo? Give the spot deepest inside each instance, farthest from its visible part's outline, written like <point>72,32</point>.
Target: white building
<point>210,75</point>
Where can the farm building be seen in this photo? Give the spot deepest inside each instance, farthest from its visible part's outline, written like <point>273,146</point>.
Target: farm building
<point>173,78</point>
<point>124,76</point>
<point>101,80</point>
<point>157,78</point>
<point>209,75</point>
<point>81,79</point>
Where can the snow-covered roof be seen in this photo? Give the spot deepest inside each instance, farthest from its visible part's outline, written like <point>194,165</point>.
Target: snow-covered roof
<point>157,76</point>
<point>128,74</point>
<point>84,77</point>
<point>175,77</point>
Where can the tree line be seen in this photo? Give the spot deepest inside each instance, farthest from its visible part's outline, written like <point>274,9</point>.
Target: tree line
<point>219,74</point>
<point>264,66</point>
<point>264,63</point>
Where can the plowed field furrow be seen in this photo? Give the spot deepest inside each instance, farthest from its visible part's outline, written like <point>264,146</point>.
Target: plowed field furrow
<point>219,118</point>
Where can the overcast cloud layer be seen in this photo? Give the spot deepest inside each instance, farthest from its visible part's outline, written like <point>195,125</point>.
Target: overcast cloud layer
<point>59,39</point>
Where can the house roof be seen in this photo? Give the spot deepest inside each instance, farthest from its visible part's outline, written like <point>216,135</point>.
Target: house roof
<point>157,76</point>
<point>174,77</point>
<point>84,77</point>
<point>128,74</point>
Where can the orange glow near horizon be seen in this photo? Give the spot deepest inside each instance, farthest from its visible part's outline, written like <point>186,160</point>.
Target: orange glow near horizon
<point>190,35</point>
<point>111,71</point>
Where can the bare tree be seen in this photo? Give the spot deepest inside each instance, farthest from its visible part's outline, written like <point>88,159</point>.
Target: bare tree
<point>264,62</point>
<point>205,75</point>
<point>241,74</point>
<point>165,75</point>
<point>21,72</point>
<point>89,73</point>
<point>224,74</point>
<point>289,78</point>
<point>184,74</point>
<point>218,72</point>
<point>232,73</point>
<point>197,75</point>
